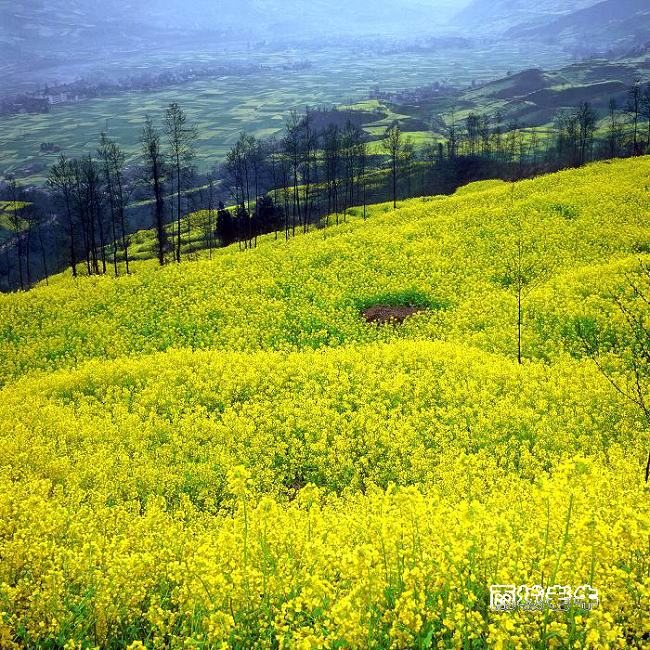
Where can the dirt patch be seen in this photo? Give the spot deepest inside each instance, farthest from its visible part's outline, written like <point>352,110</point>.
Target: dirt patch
<point>395,315</point>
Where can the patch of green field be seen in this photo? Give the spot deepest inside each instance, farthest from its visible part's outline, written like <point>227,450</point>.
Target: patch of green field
<point>258,102</point>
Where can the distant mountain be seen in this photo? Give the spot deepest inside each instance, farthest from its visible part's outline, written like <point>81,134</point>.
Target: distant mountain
<point>606,25</point>
<point>313,17</point>
<point>497,16</point>
<point>35,20</point>
<point>53,26</point>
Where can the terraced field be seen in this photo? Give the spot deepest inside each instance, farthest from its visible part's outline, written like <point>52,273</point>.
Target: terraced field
<point>258,102</point>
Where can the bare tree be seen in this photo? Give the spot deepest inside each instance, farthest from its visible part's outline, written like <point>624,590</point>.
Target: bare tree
<point>91,196</point>
<point>256,155</point>
<point>284,164</point>
<point>37,221</point>
<point>615,130</point>
<point>155,168</point>
<point>452,136</point>
<point>30,218</point>
<point>645,111</point>
<point>86,199</point>
<point>276,177</point>
<point>331,146</point>
<point>113,159</point>
<point>81,209</point>
<point>242,167</point>
<point>292,144</point>
<point>362,158</point>
<point>587,120</point>
<point>567,144</point>
<point>473,126</point>
<point>31,237</point>
<point>181,137</point>
<point>351,137</point>
<point>634,109</point>
<point>210,224</point>
<point>408,162</point>
<point>624,359</point>
<point>17,224</point>
<point>110,193</point>
<point>485,135</point>
<point>524,263</point>
<point>308,168</point>
<point>513,140</point>
<point>497,135</point>
<point>61,180</point>
<point>393,145</point>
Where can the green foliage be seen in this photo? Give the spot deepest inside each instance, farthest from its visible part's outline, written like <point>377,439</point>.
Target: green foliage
<point>569,212</point>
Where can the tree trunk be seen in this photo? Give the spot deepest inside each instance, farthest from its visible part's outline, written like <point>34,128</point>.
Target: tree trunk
<point>43,256</point>
<point>178,208</point>
<point>519,325</point>
<point>19,255</point>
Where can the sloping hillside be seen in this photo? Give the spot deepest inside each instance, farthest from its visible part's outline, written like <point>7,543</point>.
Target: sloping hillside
<point>492,16</point>
<point>304,293</point>
<point>581,26</point>
<point>534,96</point>
<point>225,453</point>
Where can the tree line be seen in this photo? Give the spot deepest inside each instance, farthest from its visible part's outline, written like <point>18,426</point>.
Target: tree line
<point>321,165</point>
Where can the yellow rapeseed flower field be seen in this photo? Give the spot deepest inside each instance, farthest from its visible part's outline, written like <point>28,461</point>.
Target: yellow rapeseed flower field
<point>225,454</point>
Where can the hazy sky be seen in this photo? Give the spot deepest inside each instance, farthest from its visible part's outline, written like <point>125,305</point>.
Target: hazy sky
<point>361,15</point>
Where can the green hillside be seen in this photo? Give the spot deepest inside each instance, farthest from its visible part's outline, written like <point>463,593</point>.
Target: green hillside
<point>533,97</point>
<point>226,453</point>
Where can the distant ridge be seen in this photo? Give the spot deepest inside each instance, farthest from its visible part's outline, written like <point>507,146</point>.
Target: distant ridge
<point>498,16</point>
<point>606,24</point>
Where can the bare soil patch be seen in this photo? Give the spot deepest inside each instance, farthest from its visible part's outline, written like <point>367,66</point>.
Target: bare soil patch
<point>395,315</point>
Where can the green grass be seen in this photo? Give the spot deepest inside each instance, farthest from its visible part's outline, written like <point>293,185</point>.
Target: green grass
<point>6,217</point>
